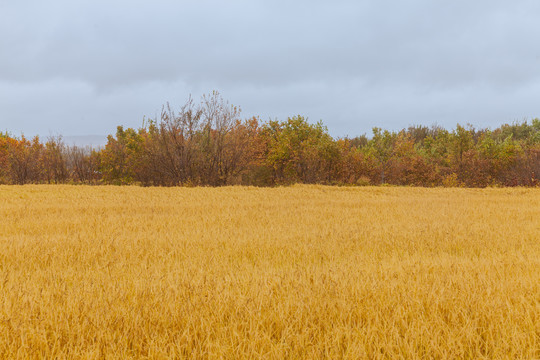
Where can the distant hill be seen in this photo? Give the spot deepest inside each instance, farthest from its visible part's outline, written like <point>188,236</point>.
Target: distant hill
<point>86,140</point>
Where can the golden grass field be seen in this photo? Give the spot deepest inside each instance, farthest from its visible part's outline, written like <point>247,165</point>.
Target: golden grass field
<point>294,272</point>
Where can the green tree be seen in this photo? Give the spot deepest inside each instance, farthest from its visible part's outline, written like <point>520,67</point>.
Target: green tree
<point>299,151</point>
<point>382,146</point>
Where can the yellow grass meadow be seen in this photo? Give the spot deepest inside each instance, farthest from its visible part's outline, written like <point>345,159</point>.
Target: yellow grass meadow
<point>293,272</point>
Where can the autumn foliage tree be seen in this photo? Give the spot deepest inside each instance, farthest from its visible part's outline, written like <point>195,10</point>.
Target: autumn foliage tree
<point>208,143</point>
<point>298,151</point>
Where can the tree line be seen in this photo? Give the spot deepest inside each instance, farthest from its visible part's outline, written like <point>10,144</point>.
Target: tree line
<point>208,143</point>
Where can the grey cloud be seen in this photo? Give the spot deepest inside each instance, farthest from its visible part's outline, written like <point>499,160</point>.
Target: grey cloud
<point>84,67</point>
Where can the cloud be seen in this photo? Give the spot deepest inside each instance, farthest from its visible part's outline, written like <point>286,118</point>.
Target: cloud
<point>84,67</point>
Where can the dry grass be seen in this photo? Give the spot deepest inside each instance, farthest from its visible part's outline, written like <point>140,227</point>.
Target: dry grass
<point>299,272</point>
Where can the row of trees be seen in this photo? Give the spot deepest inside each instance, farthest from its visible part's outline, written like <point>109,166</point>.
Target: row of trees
<point>207,143</point>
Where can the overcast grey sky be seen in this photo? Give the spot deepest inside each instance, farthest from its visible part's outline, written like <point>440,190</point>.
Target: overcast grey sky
<point>84,67</point>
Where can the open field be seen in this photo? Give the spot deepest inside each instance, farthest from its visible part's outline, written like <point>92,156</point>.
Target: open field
<point>297,272</point>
